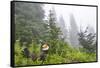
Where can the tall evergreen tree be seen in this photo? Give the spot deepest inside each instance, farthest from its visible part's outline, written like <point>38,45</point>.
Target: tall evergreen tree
<point>73,32</point>
<point>63,28</point>
<point>28,22</point>
<point>87,40</point>
<point>54,32</point>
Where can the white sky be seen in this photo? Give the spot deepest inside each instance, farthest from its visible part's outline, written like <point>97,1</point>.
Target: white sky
<point>83,15</point>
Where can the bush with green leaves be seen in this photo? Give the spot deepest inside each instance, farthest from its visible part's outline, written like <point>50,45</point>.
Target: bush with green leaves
<point>62,53</point>
<point>87,40</point>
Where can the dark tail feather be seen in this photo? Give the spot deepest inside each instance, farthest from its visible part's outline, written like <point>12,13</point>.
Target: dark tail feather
<point>33,56</point>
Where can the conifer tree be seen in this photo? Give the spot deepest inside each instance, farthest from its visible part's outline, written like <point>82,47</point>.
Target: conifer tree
<point>87,40</point>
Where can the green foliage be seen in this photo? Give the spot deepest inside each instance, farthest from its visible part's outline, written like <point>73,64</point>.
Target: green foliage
<point>63,53</point>
<point>31,28</point>
<point>29,22</point>
<point>87,40</point>
<point>54,31</point>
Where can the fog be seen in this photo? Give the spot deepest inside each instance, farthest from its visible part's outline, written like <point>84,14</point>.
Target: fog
<point>84,16</point>
<point>72,19</point>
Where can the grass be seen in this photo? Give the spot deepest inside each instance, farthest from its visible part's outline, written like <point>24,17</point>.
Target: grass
<point>63,54</point>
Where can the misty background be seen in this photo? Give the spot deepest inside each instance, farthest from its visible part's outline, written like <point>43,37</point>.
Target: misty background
<point>71,19</point>
<point>69,32</point>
